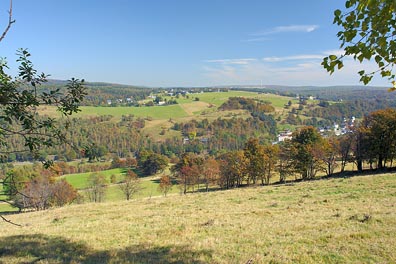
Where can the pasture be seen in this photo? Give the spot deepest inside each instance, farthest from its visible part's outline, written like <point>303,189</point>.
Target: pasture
<point>339,220</point>
<point>161,118</point>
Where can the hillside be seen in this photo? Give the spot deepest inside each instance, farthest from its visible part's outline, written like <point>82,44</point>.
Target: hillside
<point>325,221</point>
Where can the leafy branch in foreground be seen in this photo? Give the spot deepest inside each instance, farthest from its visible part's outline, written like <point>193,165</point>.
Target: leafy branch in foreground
<point>368,31</point>
<point>21,103</point>
<point>22,98</point>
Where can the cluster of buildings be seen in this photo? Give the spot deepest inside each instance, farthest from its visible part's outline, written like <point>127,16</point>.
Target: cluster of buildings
<point>345,127</point>
<point>128,100</point>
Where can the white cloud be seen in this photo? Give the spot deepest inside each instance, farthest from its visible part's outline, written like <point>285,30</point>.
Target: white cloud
<point>256,39</point>
<point>295,57</point>
<point>318,56</point>
<point>232,61</point>
<point>285,29</point>
<point>337,52</point>
<point>305,69</point>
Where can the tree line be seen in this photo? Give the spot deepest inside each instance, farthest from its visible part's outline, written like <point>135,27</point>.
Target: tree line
<point>371,144</point>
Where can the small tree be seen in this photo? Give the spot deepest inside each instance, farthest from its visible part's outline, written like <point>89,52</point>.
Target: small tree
<point>165,184</point>
<point>155,163</point>
<point>97,187</point>
<point>285,165</point>
<point>131,184</point>
<point>306,148</point>
<point>211,172</point>
<point>328,154</point>
<point>233,167</point>
<point>38,193</point>
<point>271,154</point>
<point>63,193</point>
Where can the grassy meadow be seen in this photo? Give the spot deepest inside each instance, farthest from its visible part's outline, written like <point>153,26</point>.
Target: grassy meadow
<point>208,103</point>
<point>148,185</point>
<point>162,118</point>
<point>339,220</point>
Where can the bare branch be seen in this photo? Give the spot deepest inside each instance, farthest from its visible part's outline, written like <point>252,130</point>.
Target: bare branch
<point>10,22</point>
<point>8,221</point>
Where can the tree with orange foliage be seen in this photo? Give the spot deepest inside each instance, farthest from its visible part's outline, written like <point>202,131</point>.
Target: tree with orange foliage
<point>165,184</point>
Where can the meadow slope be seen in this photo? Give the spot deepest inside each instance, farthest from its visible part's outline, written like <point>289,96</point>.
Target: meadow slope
<point>325,221</point>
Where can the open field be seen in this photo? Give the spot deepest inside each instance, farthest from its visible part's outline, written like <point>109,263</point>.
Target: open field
<point>148,185</point>
<point>161,118</point>
<point>337,220</point>
<point>155,112</point>
<point>80,180</point>
<point>185,108</point>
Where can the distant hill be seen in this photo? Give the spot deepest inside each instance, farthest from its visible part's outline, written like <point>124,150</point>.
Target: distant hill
<point>331,93</point>
<point>100,92</point>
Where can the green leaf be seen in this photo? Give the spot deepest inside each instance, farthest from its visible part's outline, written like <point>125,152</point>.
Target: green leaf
<point>333,57</point>
<point>340,65</point>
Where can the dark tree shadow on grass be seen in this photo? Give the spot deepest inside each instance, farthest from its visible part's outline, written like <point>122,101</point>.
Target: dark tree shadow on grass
<point>48,249</point>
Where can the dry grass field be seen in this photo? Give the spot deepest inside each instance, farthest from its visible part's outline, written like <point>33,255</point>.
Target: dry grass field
<point>340,220</point>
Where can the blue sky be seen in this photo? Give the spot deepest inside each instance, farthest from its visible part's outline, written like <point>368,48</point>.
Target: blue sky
<point>179,42</point>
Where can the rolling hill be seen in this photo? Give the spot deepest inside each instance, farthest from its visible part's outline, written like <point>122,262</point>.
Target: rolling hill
<point>334,220</point>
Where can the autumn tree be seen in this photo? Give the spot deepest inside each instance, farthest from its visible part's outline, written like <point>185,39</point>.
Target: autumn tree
<point>131,185</point>
<point>307,145</point>
<point>210,172</point>
<point>63,193</point>
<point>165,184</point>
<point>188,177</point>
<point>271,157</point>
<point>285,162</point>
<point>328,154</point>
<point>188,171</point>
<point>379,137</point>
<point>255,160</point>
<point>367,32</point>
<point>233,166</point>
<point>39,192</point>
<point>345,144</point>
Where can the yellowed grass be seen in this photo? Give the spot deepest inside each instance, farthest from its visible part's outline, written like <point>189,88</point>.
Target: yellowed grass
<point>351,220</point>
<point>191,108</point>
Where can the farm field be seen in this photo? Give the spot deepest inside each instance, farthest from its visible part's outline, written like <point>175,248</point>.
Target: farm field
<point>160,119</point>
<point>184,108</point>
<point>148,185</point>
<point>340,220</point>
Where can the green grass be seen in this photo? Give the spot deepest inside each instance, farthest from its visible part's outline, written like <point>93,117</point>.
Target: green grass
<point>5,207</point>
<point>148,185</point>
<point>80,180</point>
<point>340,220</point>
<point>175,111</point>
<point>155,112</point>
<point>149,188</point>
<point>184,111</point>
<point>218,98</point>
